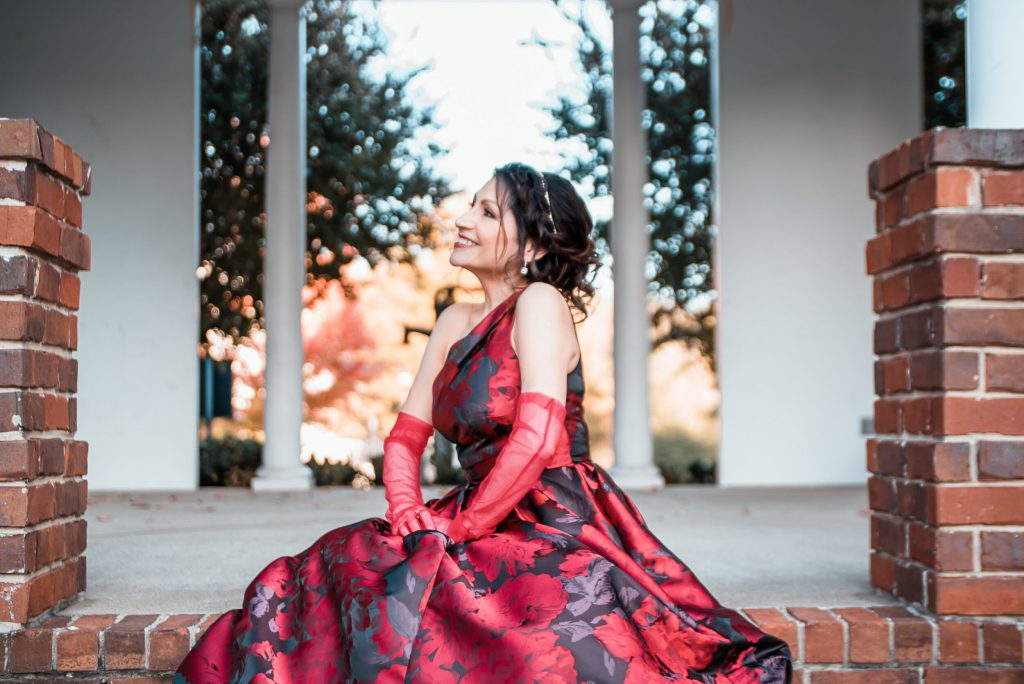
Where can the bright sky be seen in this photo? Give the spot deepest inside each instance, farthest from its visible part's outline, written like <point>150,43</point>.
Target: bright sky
<point>487,85</point>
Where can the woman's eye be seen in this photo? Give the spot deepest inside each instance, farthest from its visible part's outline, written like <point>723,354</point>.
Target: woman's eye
<point>487,212</point>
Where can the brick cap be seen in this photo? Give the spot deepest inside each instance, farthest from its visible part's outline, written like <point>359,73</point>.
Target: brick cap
<point>940,145</point>
<point>867,642</point>
<point>26,139</point>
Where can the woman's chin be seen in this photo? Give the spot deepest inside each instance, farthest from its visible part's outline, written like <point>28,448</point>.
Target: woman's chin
<point>465,264</point>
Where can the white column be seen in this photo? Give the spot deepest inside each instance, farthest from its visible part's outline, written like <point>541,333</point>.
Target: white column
<point>995,63</point>
<point>284,266</point>
<point>630,242</point>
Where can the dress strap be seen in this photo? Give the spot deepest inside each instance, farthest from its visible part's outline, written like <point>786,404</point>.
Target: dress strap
<point>466,347</point>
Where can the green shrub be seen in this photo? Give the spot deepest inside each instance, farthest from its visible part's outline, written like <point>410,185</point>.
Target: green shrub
<point>232,462</point>
<point>228,461</point>
<point>332,474</point>
<point>683,459</point>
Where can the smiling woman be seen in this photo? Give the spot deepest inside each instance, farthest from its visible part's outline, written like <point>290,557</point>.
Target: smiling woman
<point>539,567</point>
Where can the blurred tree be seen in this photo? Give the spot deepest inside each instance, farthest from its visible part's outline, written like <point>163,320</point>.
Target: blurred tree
<point>675,47</point>
<point>945,102</point>
<point>338,351</point>
<point>369,193</point>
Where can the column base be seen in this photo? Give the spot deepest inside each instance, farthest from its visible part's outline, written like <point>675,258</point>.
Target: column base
<point>294,479</point>
<point>647,478</point>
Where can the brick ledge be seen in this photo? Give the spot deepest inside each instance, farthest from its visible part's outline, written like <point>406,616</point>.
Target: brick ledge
<point>843,645</point>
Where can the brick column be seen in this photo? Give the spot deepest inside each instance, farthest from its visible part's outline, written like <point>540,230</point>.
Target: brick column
<point>42,466</point>
<point>947,459</point>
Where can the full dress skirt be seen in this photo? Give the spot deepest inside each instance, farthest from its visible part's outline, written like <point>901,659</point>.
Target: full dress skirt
<point>570,587</point>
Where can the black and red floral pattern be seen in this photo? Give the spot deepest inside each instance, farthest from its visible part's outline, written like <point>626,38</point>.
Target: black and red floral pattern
<point>570,587</point>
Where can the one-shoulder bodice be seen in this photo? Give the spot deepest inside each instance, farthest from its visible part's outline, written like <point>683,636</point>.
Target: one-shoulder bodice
<point>476,391</point>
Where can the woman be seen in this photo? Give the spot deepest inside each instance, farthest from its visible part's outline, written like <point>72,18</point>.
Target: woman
<point>539,568</point>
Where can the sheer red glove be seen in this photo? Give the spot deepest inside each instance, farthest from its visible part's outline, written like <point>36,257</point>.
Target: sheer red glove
<point>403,451</point>
<point>538,441</point>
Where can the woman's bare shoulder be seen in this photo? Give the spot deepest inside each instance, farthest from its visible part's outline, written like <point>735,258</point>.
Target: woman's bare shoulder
<point>542,304</point>
<point>453,323</point>
<point>543,315</point>
<point>445,332</point>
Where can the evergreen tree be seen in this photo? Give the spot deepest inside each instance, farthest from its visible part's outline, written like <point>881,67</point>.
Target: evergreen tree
<point>369,193</point>
<point>675,47</point>
<point>945,102</point>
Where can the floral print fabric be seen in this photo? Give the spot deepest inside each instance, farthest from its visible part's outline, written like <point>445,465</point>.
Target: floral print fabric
<point>571,586</point>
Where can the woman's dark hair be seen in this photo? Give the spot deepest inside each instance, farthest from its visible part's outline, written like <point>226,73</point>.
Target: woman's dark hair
<point>570,261</point>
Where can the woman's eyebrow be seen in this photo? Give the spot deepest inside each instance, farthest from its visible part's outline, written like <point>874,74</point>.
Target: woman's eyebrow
<point>493,203</point>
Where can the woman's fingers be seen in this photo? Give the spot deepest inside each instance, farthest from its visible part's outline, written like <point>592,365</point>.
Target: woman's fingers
<point>416,521</point>
<point>422,518</point>
<point>410,522</point>
<point>401,525</point>
<point>439,522</point>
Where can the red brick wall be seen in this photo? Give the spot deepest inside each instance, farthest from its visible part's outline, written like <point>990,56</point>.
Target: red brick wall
<point>42,466</point>
<point>947,461</point>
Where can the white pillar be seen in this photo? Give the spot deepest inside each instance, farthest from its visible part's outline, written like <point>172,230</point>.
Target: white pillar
<point>630,242</point>
<point>995,63</point>
<point>284,265</point>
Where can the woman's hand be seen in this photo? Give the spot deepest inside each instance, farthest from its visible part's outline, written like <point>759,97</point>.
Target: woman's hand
<point>421,518</point>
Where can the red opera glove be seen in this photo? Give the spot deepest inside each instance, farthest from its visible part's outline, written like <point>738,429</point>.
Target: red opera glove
<point>403,451</point>
<point>538,440</point>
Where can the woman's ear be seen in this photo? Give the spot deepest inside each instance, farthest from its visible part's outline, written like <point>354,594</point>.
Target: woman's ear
<point>532,254</point>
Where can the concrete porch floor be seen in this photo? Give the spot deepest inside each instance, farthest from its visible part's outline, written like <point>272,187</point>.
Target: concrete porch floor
<point>163,552</point>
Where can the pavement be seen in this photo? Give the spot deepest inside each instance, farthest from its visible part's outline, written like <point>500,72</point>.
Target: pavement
<point>177,552</point>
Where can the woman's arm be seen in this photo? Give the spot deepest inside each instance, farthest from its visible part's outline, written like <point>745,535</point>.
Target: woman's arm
<point>545,340</point>
<point>403,447</point>
<point>420,400</point>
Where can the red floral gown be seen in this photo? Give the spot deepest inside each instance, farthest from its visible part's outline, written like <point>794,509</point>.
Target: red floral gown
<point>570,587</point>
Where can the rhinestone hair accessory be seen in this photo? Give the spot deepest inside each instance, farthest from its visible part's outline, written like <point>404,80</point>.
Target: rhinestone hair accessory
<point>547,198</point>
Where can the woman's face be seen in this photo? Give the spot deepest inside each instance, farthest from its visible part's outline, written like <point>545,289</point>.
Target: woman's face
<point>481,224</point>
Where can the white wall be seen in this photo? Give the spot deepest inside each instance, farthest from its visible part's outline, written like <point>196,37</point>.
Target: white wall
<point>117,80</point>
<point>809,93</point>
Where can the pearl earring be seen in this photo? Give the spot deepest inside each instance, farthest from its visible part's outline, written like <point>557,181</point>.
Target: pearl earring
<point>523,270</point>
